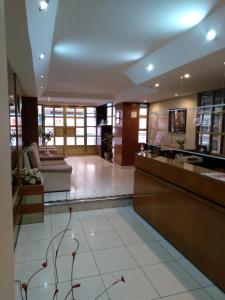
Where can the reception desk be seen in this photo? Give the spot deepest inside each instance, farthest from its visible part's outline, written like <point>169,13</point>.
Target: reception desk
<point>186,205</point>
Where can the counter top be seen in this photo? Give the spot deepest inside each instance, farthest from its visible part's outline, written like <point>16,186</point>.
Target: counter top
<point>175,163</point>
<point>184,175</point>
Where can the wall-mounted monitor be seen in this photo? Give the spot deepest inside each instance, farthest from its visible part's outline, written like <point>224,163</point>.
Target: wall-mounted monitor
<point>177,120</point>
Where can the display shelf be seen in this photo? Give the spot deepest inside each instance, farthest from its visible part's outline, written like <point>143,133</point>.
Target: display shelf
<point>32,202</point>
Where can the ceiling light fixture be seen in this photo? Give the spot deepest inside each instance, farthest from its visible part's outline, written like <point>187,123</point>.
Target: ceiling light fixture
<point>187,75</point>
<point>49,98</point>
<point>42,76</point>
<point>150,67</point>
<point>176,95</point>
<point>42,87</point>
<point>42,56</point>
<point>157,84</point>
<point>211,35</point>
<point>43,5</point>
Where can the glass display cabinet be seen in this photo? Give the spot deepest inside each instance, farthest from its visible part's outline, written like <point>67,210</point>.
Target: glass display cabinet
<point>210,122</point>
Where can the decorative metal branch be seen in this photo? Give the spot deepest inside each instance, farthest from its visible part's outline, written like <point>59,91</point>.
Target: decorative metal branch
<point>24,287</point>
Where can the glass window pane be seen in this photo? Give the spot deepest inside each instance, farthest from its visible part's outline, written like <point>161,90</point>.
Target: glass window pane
<point>91,141</point>
<point>70,122</point>
<point>91,111</point>
<point>39,120</point>
<point>12,121</point>
<point>80,141</point>
<point>79,112</point>
<point>48,111</point>
<point>70,141</point>
<point>13,131</point>
<point>51,142</point>
<point>109,111</point>
<point>143,111</point>
<point>91,122</point>
<point>91,131</point>
<point>142,136</point>
<point>12,110</point>
<point>19,121</point>
<point>58,121</point>
<point>79,131</point>
<point>70,112</point>
<point>39,109</point>
<point>109,120</point>
<point>49,129</point>
<point>48,121</point>
<point>59,111</point>
<point>80,122</point>
<point>59,141</point>
<point>143,123</point>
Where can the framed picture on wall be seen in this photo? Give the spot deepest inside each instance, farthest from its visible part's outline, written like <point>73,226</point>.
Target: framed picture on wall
<point>177,120</point>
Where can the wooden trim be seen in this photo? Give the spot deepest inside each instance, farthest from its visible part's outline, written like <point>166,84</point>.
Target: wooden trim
<point>32,208</point>
<point>31,189</point>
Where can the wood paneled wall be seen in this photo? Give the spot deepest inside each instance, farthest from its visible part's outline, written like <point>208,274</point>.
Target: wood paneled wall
<point>126,133</point>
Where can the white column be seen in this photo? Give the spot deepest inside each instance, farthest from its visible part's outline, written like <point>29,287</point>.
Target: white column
<point>6,221</point>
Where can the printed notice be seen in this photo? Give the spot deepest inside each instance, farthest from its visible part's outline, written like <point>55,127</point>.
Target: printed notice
<point>218,176</point>
<point>133,114</point>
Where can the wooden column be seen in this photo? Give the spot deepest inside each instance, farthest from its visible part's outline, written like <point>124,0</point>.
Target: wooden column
<point>126,133</point>
<point>29,120</point>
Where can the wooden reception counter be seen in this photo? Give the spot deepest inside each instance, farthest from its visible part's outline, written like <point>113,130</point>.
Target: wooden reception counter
<point>186,205</point>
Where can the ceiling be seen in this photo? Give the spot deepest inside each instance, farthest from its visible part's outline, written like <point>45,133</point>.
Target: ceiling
<point>97,51</point>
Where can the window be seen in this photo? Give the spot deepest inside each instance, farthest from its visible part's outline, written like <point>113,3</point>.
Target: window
<point>71,125</point>
<point>91,126</point>
<point>143,124</point>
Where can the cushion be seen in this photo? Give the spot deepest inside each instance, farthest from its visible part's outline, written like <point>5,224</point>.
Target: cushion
<point>34,144</point>
<point>26,161</point>
<point>34,157</point>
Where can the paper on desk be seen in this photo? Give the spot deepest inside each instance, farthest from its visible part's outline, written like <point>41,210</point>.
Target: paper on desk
<point>218,176</point>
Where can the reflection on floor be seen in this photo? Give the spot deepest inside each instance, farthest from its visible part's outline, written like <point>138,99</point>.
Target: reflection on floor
<point>113,242</point>
<point>93,177</point>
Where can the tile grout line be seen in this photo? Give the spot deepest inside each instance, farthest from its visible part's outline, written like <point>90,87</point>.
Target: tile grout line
<point>177,260</point>
<point>96,263</point>
<point>139,266</point>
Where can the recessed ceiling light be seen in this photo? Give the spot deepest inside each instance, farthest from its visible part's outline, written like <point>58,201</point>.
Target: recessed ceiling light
<point>42,56</point>
<point>176,95</point>
<point>157,84</point>
<point>42,87</point>
<point>150,67</point>
<point>211,34</point>
<point>11,96</point>
<point>145,100</point>
<point>49,98</point>
<point>43,5</point>
<point>42,76</point>
<point>187,75</point>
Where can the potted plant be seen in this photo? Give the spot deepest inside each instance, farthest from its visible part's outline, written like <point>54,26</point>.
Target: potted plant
<point>30,176</point>
<point>181,143</point>
<point>46,136</point>
<point>107,141</point>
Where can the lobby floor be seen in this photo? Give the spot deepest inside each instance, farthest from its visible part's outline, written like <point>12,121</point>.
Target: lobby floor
<point>113,242</point>
<point>93,176</point>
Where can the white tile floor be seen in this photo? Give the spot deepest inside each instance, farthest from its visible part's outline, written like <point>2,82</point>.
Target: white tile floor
<point>113,242</point>
<point>93,176</point>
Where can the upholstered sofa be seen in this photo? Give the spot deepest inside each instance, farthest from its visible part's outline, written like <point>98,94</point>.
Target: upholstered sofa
<point>56,172</point>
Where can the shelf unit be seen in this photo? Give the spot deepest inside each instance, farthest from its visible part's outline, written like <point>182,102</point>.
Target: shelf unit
<point>32,205</point>
<point>102,131</point>
<point>210,122</point>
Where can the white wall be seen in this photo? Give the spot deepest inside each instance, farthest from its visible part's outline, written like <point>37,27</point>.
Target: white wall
<point>6,223</point>
<point>158,123</point>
